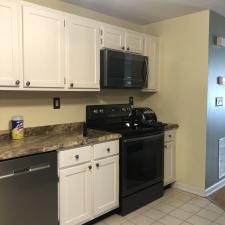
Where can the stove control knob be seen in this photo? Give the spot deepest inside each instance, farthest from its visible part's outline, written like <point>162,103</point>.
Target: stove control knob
<point>123,109</point>
<point>101,111</point>
<point>127,124</point>
<point>95,111</point>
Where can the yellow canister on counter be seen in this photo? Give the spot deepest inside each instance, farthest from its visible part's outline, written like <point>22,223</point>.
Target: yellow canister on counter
<point>17,127</point>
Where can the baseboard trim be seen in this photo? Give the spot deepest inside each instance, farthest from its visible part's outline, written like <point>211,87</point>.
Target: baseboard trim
<point>215,187</point>
<point>190,189</point>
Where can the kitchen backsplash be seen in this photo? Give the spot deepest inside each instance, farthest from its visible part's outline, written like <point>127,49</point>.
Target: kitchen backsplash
<point>37,108</point>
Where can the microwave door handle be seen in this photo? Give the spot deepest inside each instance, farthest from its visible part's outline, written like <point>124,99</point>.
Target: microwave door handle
<point>147,71</point>
<point>145,68</point>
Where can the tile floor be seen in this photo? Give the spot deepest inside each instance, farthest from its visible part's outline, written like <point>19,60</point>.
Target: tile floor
<point>175,207</point>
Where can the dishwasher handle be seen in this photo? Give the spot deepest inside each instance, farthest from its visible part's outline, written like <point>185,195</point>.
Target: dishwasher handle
<point>32,169</point>
<point>7,175</point>
<point>39,167</point>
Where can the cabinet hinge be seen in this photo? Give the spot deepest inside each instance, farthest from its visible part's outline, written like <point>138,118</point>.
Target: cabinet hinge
<point>64,80</point>
<point>64,23</point>
<point>101,41</point>
<point>101,31</point>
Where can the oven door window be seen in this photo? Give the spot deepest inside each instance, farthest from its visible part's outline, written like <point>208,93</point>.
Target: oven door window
<point>142,163</point>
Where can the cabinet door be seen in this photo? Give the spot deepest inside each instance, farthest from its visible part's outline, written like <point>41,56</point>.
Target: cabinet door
<point>43,47</point>
<point>113,37</point>
<point>83,53</point>
<point>152,51</point>
<point>169,163</point>
<point>106,185</point>
<point>135,42</point>
<point>9,43</point>
<point>75,195</point>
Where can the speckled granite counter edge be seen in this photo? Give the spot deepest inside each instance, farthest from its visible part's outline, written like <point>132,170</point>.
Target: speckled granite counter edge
<point>171,126</point>
<point>58,137</point>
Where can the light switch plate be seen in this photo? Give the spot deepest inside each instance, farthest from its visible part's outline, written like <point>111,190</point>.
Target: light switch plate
<point>219,101</point>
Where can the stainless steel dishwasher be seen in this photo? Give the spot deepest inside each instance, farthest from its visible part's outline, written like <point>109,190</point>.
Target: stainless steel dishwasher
<point>29,190</point>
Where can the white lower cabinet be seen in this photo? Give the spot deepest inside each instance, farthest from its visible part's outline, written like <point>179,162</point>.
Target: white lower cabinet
<point>105,185</point>
<point>169,158</point>
<point>87,189</point>
<point>75,195</point>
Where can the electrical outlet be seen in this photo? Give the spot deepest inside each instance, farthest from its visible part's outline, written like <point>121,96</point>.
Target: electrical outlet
<point>56,103</point>
<point>219,101</point>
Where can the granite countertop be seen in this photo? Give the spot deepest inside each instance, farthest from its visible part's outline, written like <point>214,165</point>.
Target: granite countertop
<point>50,138</point>
<point>171,126</point>
<point>53,138</point>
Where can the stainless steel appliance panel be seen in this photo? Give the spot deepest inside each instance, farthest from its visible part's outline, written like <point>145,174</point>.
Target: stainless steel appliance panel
<point>28,190</point>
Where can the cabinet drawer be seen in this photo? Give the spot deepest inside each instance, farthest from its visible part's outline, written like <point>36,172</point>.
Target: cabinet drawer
<point>74,156</point>
<point>106,149</point>
<point>170,135</point>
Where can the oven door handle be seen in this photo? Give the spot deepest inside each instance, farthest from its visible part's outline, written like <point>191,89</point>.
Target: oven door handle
<point>149,137</point>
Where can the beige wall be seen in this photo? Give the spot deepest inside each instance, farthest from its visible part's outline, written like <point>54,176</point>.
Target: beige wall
<point>36,107</point>
<point>183,90</point>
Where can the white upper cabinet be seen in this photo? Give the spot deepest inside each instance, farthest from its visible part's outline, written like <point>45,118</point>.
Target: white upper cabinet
<point>43,47</point>
<point>113,37</point>
<point>9,44</point>
<point>134,42</point>
<point>120,39</point>
<point>152,51</point>
<point>83,53</point>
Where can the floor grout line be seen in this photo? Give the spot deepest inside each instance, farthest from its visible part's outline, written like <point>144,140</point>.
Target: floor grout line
<point>166,201</point>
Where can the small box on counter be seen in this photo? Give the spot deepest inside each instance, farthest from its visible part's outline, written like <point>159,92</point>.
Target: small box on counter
<point>17,127</point>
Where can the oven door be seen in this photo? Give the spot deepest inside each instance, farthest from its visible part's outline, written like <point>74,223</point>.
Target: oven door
<point>141,163</point>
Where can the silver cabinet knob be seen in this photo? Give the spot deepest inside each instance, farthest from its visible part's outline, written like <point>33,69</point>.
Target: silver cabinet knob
<point>17,82</point>
<point>28,83</point>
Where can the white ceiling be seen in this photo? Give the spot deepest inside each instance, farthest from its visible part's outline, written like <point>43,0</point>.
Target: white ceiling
<point>148,11</point>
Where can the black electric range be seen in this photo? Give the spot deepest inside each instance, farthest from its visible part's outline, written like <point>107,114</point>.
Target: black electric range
<point>141,153</point>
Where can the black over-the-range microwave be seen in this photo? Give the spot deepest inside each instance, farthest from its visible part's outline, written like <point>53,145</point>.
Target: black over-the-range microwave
<point>123,70</point>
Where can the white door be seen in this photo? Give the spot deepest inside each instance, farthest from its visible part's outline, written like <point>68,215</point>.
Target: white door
<point>106,185</point>
<point>9,43</point>
<point>169,163</point>
<point>134,42</point>
<point>75,195</point>
<point>43,47</point>
<point>113,37</point>
<point>83,53</point>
